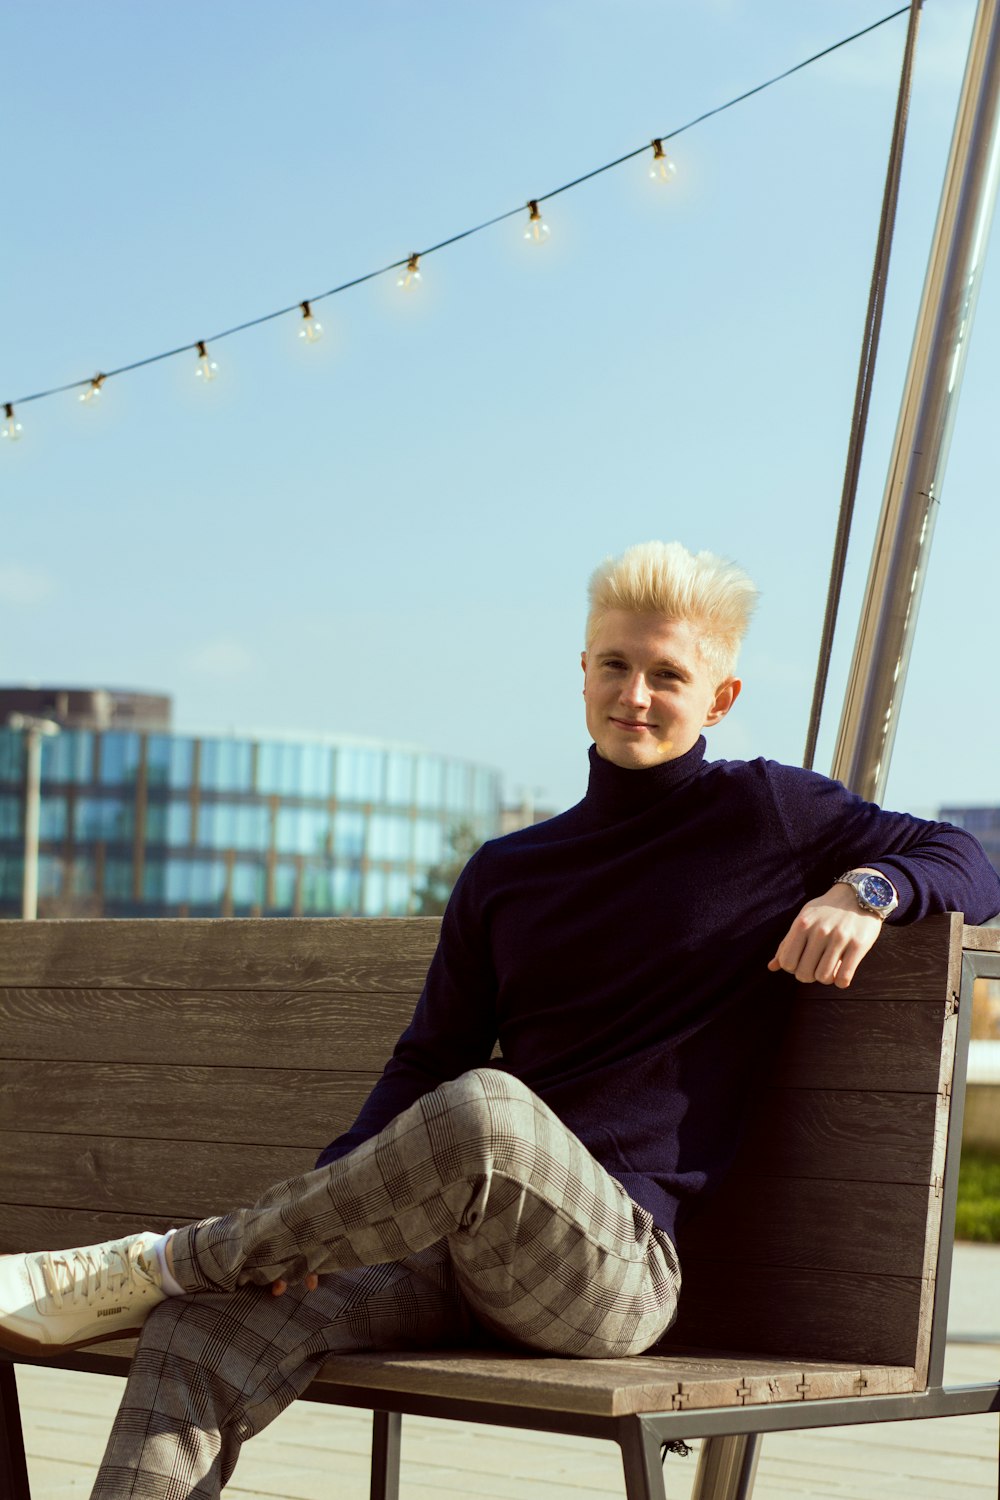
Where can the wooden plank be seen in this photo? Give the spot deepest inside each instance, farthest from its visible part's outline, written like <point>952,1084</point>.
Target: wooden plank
<point>898,1047</point>
<point>34,1227</point>
<point>982,939</point>
<point>868,1227</point>
<point>806,1224</point>
<point>833,1315</point>
<point>607,1387</point>
<point>842,1133</point>
<point>281,1106</point>
<point>285,1029</point>
<point>601,1387</point>
<point>218,953</point>
<point>121,1174</point>
<point>913,962</point>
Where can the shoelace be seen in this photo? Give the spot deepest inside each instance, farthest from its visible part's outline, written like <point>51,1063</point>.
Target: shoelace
<point>81,1276</point>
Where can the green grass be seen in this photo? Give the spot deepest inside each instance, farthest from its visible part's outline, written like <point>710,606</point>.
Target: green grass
<point>978,1214</point>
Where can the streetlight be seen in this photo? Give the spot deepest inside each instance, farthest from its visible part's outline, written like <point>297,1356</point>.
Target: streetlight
<point>34,730</point>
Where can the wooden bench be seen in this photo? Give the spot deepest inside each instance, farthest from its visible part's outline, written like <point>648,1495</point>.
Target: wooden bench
<point>815,1282</point>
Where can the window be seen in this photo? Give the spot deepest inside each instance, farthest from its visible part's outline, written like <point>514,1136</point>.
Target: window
<point>107,818</point>
<point>349,835</point>
<point>248,883</point>
<point>302,830</point>
<point>195,882</point>
<point>69,756</point>
<point>178,822</point>
<point>399,891</point>
<point>10,816</point>
<point>317,890</point>
<point>457,787</point>
<point>430,782</point>
<point>399,778</point>
<point>11,877</point>
<point>52,818</point>
<point>168,760</point>
<point>389,837</point>
<point>51,872</point>
<point>374,897</point>
<point>284,887</point>
<point>11,756</point>
<point>154,880</point>
<point>226,765</point>
<point>359,774</point>
<point>346,890</point>
<point>428,841</point>
<point>120,755</point>
<point>118,879</point>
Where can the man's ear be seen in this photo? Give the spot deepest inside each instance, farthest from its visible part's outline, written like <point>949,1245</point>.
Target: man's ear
<point>583,663</point>
<point>725,696</point>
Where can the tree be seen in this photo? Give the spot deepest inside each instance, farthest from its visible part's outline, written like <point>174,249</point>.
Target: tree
<point>432,897</point>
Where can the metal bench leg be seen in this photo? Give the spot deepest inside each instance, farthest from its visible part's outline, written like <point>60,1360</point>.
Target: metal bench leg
<point>13,1468</point>
<point>727,1467</point>
<point>387,1435</point>
<point>641,1460</point>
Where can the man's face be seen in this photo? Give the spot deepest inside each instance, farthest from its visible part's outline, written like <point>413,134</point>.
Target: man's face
<point>647,690</point>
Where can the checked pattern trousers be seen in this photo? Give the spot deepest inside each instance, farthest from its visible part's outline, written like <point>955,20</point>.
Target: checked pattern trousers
<point>474,1209</point>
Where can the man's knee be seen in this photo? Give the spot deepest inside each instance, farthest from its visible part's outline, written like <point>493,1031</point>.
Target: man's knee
<point>486,1089</point>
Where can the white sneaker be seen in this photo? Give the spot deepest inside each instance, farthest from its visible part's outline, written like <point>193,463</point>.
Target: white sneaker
<point>59,1299</point>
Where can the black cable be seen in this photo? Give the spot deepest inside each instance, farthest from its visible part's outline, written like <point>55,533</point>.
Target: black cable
<point>866,373</point>
<point>463,234</point>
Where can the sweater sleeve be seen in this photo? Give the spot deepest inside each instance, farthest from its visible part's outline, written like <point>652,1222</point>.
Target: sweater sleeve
<point>935,867</point>
<point>454,1025</point>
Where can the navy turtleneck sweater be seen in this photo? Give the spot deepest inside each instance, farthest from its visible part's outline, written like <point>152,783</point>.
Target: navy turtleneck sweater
<point>619,953</point>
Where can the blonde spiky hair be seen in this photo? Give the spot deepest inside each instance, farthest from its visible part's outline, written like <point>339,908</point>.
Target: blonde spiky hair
<point>664,578</point>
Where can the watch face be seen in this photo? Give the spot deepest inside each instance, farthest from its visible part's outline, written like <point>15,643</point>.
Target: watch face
<point>876,891</point>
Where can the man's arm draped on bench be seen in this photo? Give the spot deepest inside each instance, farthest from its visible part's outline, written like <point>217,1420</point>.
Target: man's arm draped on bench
<point>632,956</point>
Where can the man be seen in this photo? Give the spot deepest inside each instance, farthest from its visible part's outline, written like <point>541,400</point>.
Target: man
<point>630,955</point>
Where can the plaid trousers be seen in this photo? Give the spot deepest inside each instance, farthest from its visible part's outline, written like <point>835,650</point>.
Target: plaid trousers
<point>475,1208</point>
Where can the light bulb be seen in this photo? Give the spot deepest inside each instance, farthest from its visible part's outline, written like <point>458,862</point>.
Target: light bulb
<point>11,427</point>
<point>94,389</point>
<point>207,368</point>
<point>537,231</point>
<point>661,169</point>
<point>312,328</point>
<point>410,278</point>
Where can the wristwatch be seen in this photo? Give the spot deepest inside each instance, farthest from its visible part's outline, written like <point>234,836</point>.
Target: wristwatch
<point>875,893</point>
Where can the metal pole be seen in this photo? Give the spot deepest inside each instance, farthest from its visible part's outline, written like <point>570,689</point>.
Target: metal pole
<point>927,414</point>
<point>34,730</point>
<point>32,809</point>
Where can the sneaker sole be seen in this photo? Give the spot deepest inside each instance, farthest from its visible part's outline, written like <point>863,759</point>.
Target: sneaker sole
<point>17,1343</point>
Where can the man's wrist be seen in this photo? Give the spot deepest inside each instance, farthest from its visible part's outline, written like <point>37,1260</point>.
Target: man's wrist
<point>875,892</point>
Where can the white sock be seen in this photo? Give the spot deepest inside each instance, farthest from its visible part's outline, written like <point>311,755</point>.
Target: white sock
<point>169,1283</point>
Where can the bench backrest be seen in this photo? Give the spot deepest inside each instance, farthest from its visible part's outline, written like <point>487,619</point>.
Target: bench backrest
<point>158,1071</point>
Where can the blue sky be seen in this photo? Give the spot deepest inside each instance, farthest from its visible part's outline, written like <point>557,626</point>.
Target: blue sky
<point>389,533</point>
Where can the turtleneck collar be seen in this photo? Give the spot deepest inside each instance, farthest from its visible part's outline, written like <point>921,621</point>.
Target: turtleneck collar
<point>614,791</point>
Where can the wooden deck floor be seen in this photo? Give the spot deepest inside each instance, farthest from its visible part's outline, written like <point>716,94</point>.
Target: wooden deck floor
<point>321,1453</point>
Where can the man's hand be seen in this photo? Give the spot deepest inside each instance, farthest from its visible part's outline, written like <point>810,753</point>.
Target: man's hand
<point>310,1282</point>
<point>828,939</point>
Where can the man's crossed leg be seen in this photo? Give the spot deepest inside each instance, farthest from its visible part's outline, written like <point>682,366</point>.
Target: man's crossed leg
<point>474,1206</point>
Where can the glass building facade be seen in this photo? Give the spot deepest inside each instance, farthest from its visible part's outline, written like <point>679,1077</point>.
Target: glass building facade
<point>151,823</point>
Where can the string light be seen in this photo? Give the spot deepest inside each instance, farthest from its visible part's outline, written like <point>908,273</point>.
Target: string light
<point>410,277</point>
<point>537,231</point>
<point>312,328</point>
<point>207,368</point>
<point>94,389</point>
<point>662,168</point>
